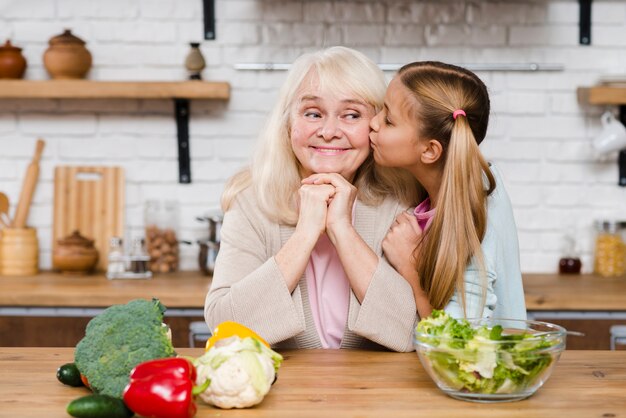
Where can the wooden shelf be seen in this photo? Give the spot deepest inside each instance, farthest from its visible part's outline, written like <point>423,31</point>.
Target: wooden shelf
<point>602,95</point>
<point>88,89</point>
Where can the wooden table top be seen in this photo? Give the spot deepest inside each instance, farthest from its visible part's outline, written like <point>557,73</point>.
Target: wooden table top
<point>345,383</point>
<point>544,292</point>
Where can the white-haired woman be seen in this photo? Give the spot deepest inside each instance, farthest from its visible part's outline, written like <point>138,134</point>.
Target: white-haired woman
<point>301,243</point>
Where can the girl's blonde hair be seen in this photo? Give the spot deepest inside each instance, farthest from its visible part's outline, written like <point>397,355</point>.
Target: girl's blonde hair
<point>274,173</point>
<point>460,222</point>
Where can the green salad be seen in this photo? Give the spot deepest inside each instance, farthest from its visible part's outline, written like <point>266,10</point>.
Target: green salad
<point>482,359</point>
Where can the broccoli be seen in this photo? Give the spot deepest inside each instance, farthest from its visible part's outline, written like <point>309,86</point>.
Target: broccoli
<point>118,339</point>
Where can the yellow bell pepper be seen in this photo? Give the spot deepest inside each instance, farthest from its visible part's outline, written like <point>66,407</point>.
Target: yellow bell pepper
<point>229,329</point>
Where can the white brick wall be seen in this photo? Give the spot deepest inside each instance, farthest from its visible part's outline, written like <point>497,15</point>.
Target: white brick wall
<point>539,136</point>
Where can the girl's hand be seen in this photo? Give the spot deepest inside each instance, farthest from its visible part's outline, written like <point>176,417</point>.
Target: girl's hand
<point>313,203</point>
<point>339,216</point>
<point>400,243</point>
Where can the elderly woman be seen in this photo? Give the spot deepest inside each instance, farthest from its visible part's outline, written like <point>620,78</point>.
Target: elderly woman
<point>301,243</point>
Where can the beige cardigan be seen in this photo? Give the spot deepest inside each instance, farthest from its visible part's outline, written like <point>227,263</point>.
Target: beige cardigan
<point>249,288</point>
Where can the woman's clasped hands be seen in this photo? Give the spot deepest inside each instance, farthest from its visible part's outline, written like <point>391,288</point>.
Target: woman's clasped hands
<point>326,201</point>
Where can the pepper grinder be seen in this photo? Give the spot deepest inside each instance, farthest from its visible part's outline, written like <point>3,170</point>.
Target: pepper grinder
<point>195,62</point>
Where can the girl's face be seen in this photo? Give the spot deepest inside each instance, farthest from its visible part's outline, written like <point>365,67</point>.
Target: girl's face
<point>329,130</point>
<point>394,135</point>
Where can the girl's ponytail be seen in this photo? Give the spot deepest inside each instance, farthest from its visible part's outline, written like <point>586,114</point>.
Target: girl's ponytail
<point>454,237</point>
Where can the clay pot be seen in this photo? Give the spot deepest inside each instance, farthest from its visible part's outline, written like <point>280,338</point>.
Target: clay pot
<point>75,254</point>
<point>67,57</point>
<point>12,62</point>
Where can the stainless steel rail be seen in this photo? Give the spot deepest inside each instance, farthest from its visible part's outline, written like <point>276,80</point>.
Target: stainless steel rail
<point>523,67</point>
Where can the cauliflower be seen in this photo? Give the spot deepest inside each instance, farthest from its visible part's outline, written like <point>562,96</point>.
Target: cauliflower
<point>241,372</point>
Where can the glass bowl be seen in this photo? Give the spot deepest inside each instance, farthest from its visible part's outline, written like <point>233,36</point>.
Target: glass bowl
<point>489,360</point>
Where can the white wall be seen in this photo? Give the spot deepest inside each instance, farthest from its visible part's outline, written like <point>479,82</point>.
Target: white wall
<point>540,136</point>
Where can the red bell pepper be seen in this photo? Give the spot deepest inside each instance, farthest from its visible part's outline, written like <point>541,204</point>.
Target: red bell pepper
<point>163,388</point>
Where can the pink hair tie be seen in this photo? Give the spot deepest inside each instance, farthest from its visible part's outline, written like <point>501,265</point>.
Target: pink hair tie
<point>458,112</point>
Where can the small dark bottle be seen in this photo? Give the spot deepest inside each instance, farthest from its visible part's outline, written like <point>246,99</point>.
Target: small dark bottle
<point>570,262</point>
<point>569,265</point>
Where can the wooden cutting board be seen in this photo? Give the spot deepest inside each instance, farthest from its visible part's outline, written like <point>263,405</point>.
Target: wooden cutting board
<point>90,199</point>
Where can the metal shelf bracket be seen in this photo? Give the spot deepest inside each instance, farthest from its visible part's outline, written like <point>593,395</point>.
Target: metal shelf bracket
<point>584,37</point>
<point>621,159</point>
<point>209,19</point>
<point>181,107</point>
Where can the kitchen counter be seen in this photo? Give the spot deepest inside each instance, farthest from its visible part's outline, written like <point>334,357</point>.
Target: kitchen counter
<point>31,305</point>
<point>345,383</point>
<point>586,292</point>
<point>544,292</point>
<point>176,291</point>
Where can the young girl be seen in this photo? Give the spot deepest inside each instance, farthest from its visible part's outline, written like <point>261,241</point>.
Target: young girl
<point>458,249</point>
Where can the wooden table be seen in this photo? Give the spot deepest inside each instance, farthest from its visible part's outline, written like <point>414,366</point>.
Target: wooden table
<point>345,383</point>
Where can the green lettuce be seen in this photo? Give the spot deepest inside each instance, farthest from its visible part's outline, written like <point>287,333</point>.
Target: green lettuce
<point>482,359</point>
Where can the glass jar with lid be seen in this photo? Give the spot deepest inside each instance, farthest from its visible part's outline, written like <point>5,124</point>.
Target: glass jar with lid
<point>161,224</point>
<point>610,250</point>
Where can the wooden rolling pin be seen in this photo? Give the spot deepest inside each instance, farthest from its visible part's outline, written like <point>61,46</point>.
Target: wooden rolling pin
<point>28,188</point>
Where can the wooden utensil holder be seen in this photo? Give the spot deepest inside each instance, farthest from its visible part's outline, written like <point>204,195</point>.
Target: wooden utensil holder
<point>19,252</point>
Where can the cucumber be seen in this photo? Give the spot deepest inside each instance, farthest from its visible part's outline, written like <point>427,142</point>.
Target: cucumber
<point>68,374</point>
<point>98,406</point>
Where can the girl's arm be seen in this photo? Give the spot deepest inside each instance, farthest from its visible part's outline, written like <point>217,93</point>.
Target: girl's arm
<point>399,247</point>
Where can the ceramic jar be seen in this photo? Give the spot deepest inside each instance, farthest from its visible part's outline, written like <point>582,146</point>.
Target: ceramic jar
<point>194,62</point>
<point>75,254</point>
<point>12,62</point>
<point>67,57</point>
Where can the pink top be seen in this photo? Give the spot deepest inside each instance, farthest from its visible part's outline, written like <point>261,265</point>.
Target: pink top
<point>329,291</point>
<point>424,214</point>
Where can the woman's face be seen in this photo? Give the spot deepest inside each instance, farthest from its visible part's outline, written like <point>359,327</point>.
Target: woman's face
<point>394,135</point>
<point>329,130</point>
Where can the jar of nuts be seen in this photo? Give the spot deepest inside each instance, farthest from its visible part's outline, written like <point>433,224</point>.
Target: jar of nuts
<point>161,223</point>
<point>610,251</point>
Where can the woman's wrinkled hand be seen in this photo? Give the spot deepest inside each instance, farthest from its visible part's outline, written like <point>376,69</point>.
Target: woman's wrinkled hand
<point>339,216</point>
<point>313,208</point>
<point>400,243</point>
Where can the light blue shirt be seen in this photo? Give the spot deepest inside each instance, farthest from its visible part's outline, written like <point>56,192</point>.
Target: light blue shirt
<point>505,294</point>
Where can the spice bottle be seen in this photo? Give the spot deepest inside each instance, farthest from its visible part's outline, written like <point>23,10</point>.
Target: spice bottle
<point>161,223</point>
<point>138,261</point>
<point>115,268</point>
<point>610,251</point>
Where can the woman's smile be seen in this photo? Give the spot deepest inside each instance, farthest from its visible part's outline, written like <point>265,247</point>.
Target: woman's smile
<point>330,150</point>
